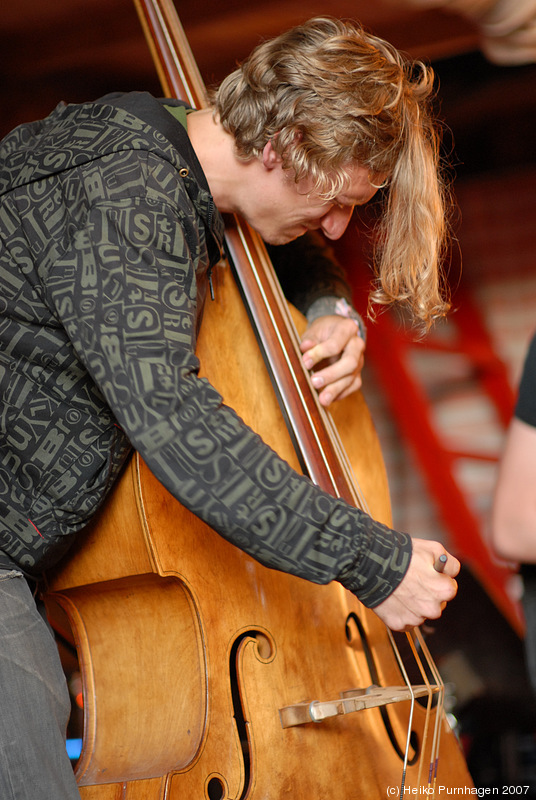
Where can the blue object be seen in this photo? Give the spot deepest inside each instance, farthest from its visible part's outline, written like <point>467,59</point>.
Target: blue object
<point>74,748</point>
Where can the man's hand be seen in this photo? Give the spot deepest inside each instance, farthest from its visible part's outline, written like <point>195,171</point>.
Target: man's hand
<point>424,592</point>
<point>333,349</point>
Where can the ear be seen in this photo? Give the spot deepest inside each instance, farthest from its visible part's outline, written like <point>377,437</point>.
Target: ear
<point>270,158</point>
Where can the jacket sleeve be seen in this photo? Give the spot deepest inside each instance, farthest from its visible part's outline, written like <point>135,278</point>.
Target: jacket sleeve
<point>126,295</point>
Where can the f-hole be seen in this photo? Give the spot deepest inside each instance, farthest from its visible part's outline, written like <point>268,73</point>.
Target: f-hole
<point>369,656</point>
<point>265,651</point>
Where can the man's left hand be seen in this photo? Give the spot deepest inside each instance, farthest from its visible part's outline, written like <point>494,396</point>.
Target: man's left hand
<point>333,349</point>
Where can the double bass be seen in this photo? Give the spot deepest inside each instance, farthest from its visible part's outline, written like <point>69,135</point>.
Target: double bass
<point>207,676</point>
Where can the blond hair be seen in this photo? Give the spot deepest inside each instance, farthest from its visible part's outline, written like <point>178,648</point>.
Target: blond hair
<point>328,94</point>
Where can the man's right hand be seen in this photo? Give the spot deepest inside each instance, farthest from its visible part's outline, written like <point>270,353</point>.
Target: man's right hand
<point>424,592</point>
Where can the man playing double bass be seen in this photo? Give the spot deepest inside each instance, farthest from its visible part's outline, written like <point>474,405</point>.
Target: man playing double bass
<point>110,225</point>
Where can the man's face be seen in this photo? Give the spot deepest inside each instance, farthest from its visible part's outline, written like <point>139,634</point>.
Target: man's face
<point>282,210</point>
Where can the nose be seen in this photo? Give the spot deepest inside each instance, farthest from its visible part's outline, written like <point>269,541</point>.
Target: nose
<point>335,222</point>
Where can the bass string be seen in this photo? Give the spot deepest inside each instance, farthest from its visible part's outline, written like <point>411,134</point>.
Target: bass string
<point>440,705</point>
<point>412,638</point>
<point>289,359</point>
<point>177,69</point>
<point>416,632</point>
<point>361,502</point>
<point>166,20</point>
<point>405,675</point>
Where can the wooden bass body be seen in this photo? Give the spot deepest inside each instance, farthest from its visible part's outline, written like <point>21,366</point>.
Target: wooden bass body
<point>189,650</point>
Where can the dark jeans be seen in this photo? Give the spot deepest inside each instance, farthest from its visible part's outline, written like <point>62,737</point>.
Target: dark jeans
<point>34,705</point>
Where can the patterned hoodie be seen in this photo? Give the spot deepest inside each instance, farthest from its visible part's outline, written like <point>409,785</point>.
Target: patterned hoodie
<point>107,230</point>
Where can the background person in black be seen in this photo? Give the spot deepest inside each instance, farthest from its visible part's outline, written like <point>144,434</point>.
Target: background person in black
<point>514,506</point>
